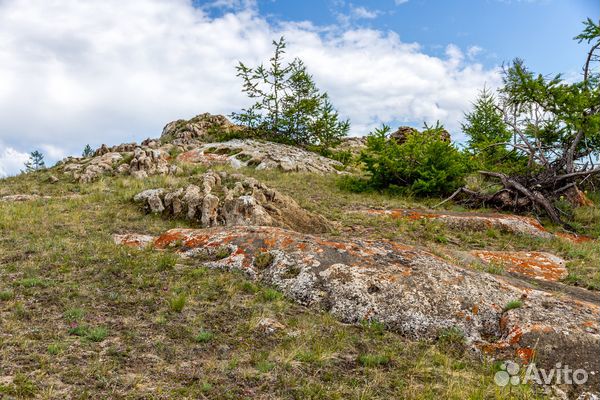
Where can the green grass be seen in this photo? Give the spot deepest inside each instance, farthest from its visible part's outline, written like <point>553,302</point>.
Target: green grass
<point>84,318</point>
<point>512,305</point>
<point>204,336</point>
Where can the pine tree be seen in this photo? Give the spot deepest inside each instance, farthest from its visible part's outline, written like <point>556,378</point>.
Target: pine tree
<point>289,107</point>
<point>36,162</point>
<point>489,139</point>
<point>87,151</point>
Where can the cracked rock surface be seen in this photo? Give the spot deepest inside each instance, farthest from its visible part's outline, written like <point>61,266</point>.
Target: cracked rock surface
<point>409,290</point>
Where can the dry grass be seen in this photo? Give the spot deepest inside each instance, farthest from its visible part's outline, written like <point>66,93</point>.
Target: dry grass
<point>83,318</point>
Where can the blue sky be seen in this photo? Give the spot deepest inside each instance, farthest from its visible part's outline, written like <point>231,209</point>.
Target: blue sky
<point>115,71</point>
<point>539,31</point>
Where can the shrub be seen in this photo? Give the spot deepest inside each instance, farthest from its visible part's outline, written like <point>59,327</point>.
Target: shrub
<point>424,164</point>
<point>289,107</point>
<point>513,304</point>
<point>177,303</point>
<point>204,336</point>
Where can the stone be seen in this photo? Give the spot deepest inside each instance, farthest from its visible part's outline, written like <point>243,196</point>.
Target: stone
<point>197,129</point>
<point>21,197</point>
<point>517,224</point>
<point>402,133</point>
<point>232,200</point>
<point>152,198</point>
<point>534,264</point>
<point>133,240</point>
<point>261,155</point>
<point>409,290</point>
<point>269,326</point>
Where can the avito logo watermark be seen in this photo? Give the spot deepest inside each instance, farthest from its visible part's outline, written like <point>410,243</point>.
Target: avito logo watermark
<point>510,373</point>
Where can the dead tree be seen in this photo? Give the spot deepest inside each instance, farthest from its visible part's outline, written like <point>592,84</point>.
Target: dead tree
<point>556,126</point>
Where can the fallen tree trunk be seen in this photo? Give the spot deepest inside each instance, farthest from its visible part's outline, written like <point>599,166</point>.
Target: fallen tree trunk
<point>519,195</point>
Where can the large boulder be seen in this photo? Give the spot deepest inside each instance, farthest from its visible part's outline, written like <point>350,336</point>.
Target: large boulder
<point>402,133</point>
<point>408,290</point>
<point>197,129</point>
<point>231,199</point>
<point>261,155</point>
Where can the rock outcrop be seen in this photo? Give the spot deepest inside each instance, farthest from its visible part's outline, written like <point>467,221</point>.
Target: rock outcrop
<point>402,133</point>
<point>261,155</point>
<point>196,130</point>
<point>128,159</point>
<point>408,290</point>
<point>533,264</point>
<point>232,199</point>
<point>474,221</point>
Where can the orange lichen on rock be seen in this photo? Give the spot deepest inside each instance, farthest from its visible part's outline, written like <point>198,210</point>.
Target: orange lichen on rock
<point>534,264</point>
<point>526,354</point>
<point>133,240</point>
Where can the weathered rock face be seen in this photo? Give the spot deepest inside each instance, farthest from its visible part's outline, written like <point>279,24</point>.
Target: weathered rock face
<point>403,132</point>
<point>195,130</point>
<point>232,199</point>
<point>121,148</point>
<point>480,222</point>
<point>409,290</point>
<point>144,161</point>
<point>534,264</point>
<point>353,144</point>
<point>261,155</point>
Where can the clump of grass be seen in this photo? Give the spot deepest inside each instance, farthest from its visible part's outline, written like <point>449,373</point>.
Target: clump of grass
<point>264,366</point>
<point>55,348</point>
<point>373,360</point>
<point>513,304</point>
<point>270,295</point>
<point>222,252</point>
<point>32,282</point>
<point>263,259</point>
<point>373,327</point>
<point>97,334</point>
<point>6,295</point>
<point>177,302</point>
<point>166,262</point>
<point>204,336</point>
<point>452,339</point>
<point>74,314</point>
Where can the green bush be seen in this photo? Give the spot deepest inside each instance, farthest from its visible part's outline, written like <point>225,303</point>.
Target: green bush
<point>289,108</point>
<point>424,164</point>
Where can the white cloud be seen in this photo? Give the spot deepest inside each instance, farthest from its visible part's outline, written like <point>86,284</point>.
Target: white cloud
<point>364,13</point>
<point>111,71</point>
<point>473,51</point>
<point>11,161</point>
<point>399,2</point>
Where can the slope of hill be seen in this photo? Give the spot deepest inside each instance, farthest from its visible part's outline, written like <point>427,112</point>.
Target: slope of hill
<point>182,295</point>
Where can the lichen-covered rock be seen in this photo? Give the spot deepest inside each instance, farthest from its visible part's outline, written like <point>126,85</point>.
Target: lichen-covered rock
<point>150,162</point>
<point>474,221</point>
<point>534,264</point>
<point>232,199</point>
<point>196,130</point>
<point>125,159</point>
<point>261,155</point>
<point>408,290</point>
<point>121,148</point>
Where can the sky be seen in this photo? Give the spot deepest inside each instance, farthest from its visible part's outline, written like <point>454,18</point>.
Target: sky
<point>76,72</point>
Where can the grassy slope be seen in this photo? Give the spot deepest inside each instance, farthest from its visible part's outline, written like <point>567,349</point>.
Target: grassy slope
<point>83,318</point>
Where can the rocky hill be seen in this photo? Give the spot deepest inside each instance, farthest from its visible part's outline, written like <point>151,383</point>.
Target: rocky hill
<point>202,264</point>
